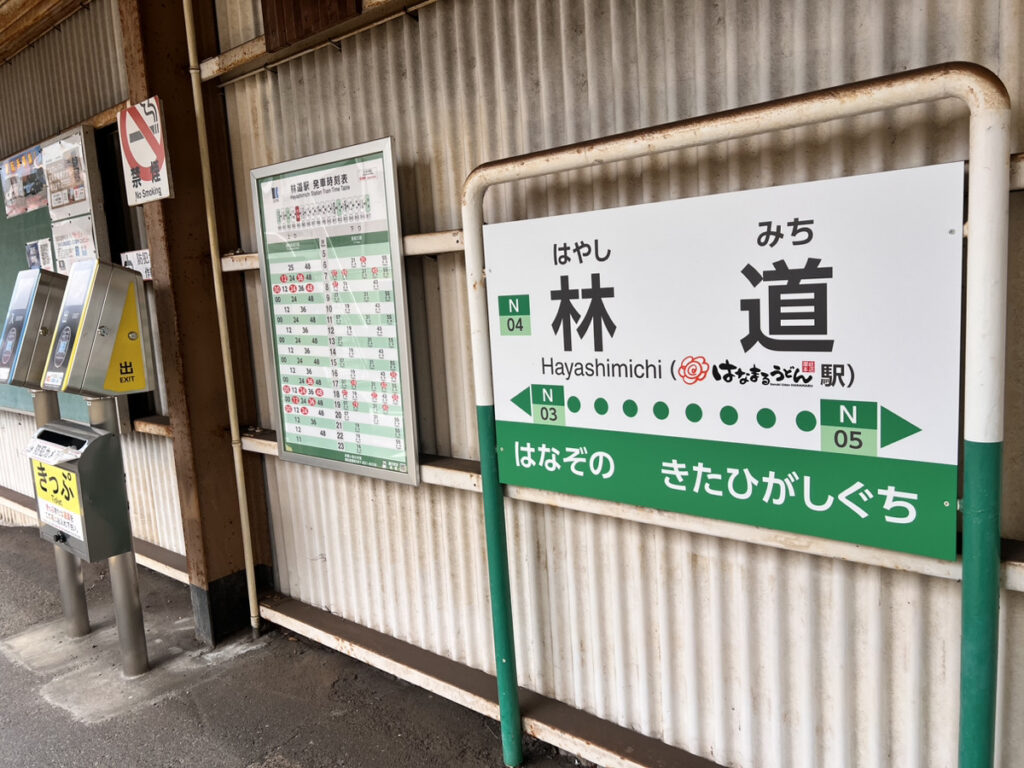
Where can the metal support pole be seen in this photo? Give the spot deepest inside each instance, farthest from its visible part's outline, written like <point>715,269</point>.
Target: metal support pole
<point>501,593</point>
<point>69,567</point>
<point>124,579</point>
<point>45,406</point>
<point>72,592</point>
<point>988,201</point>
<point>131,632</point>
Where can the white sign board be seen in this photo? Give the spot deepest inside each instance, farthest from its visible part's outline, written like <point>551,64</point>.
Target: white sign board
<point>73,241</point>
<point>61,518</point>
<point>786,357</point>
<point>50,453</point>
<point>139,261</point>
<point>147,174</point>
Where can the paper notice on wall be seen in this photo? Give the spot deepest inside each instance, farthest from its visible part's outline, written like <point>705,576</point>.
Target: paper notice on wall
<point>39,254</point>
<point>73,241</point>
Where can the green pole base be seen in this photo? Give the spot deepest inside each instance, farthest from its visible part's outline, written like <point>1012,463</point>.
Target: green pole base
<point>501,596</point>
<point>980,603</point>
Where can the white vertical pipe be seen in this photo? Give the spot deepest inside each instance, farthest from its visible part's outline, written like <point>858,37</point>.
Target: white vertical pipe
<point>988,201</point>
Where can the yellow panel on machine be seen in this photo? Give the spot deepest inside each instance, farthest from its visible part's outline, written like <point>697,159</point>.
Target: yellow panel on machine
<point>102,345</point>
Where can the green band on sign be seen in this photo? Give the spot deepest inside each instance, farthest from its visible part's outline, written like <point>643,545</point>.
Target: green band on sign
<point>906,506</point>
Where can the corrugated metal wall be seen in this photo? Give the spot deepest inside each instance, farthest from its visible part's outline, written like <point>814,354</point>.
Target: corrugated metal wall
<point>17,429</point>
<point>153,491</point>
<point>238,21</point>
<point>750,655</point>
<point>84,56</point>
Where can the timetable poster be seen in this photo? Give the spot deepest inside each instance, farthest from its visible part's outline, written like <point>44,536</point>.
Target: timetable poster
<point>332,267</point>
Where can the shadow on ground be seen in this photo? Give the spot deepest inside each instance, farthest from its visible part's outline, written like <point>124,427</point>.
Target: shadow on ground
<point>279,702</point>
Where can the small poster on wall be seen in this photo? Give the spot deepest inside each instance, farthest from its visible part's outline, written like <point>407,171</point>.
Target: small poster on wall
<point>67,176</point>
<point>24,183</point>
<point>73,241</point>
<point>39,254</point>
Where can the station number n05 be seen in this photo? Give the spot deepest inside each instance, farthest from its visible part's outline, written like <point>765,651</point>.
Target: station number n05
<point>848,438</point>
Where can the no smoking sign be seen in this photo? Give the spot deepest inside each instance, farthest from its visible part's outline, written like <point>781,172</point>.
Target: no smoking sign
<point>147,174</point>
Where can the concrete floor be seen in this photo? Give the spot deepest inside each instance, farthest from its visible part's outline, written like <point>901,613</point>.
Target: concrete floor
<point>281,702</point>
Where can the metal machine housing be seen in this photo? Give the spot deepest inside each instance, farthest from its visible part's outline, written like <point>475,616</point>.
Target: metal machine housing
<point>97,466</point>
<point>28,328</point>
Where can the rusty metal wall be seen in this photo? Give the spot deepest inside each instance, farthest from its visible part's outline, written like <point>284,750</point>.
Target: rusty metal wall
<point>83,55</point>
<point>750,655</point>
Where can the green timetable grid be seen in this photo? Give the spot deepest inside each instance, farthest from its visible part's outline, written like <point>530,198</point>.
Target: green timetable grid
<point>331,266</point>
<point>335,335</point>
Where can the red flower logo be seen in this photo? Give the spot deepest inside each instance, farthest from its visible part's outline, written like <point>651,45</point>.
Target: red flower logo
<point>693,369</point>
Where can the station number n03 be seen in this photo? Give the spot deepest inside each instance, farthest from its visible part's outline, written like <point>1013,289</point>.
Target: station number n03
<point>549,413</point>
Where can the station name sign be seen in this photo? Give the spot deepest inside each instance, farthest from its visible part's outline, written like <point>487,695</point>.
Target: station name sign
<point>785,357</point>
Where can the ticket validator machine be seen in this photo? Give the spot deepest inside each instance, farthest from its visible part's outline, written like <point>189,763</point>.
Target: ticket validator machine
<point>24,348</point>
<point>28,327</point>
<point>99,347</point>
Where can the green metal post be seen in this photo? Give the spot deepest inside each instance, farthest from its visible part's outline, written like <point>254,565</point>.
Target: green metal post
<point>501,593</point>
<point>980,613</point>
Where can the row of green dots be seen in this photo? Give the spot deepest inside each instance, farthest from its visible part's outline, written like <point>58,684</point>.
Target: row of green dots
<point>805,420</point>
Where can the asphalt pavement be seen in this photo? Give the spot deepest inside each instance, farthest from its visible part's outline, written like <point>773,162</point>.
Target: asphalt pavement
<point>277,702</point>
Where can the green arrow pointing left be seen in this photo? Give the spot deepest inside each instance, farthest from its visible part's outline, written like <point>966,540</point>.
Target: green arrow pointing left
<point>523,401</point>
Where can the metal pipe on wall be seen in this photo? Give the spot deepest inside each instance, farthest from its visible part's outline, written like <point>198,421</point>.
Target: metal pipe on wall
<point>222,321</point>
<point>988,201</point>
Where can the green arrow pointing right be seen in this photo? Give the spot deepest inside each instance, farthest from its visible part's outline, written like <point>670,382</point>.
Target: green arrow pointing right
<point>895,428</point>
<point>523,401</point>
